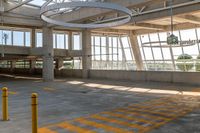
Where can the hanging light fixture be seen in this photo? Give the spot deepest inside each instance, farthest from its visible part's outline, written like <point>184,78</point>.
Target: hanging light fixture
<point>172,39</point>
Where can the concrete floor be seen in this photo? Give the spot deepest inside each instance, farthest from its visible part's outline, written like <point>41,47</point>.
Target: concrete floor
<point>77,105</point>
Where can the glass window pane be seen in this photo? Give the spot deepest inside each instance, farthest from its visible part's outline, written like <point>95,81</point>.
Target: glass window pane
<point>18,38</point>
<point>28,39</point>
<point>39,39</point>
<point>125,42</point>
<point>145,38</point>
<point>154,37</point>
<point>188,35</point>
<point>66,41</point>
<point>76,41</point>
<point>7,37</point>
<point>128,54</point>
<point>148,54</point>
<point>163,36</point>
<point>97,41</point>
<point>166,53</point>
<point>157,54</point>
<point>103,41</point>
<point>60,41</point>
<point>54,40</point>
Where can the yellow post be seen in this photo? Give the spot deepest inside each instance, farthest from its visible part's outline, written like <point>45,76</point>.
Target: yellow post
<point>5,104</point>
<point>34,98</point>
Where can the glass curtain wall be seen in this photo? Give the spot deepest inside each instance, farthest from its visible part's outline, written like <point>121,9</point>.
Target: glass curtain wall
<point>112,53</point>
<point>162,58</point>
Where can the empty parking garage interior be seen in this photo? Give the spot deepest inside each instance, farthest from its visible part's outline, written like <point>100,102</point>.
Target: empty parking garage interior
<point>99,66</point>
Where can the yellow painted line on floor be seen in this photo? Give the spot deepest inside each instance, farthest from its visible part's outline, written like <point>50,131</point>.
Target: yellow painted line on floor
<point>12,92</point>
<point>74,128</point>
<point>168,114</point>
<point>162,123</point>
<point>119,122</point>
<point>48,89</point>
<point>156,112</point>
<point>157,104</point>
<point>142,114</point>
<point>102,126</point>
<point>128,117</point>
<point>45,130</point>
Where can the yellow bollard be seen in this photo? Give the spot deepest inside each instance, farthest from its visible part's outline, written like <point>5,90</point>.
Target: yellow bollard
<point>34,98</point>
<point>5,104</point>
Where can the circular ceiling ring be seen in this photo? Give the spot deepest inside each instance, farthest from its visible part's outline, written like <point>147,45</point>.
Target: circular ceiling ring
<point>102,5</point>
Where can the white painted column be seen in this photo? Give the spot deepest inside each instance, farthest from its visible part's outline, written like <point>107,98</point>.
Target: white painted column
<point>48,54</point>
<point>136,51</point>
<point>86,51</point>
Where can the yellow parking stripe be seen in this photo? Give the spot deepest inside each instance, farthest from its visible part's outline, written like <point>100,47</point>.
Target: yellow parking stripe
<point>74,128</point>
<point>171,111</point>
<point>12,92</point>
<point>128,117</point>
<point>156,112</point>
<point>45,130</point>
<point>140,114</point>
<point>152,105</point>
<point>48,89</point>
<point>102,126</point>
<point>119,122</point>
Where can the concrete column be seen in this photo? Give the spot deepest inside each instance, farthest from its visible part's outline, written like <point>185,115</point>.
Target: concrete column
<point>33,38</point>
<point>12,67</point>
<point>32,64</point>
<point>86,52</point>
<point>59,64</point>
<point>136,51</point>
<point>48,54</point>
<point>70,41</point>
<point>13,63</point>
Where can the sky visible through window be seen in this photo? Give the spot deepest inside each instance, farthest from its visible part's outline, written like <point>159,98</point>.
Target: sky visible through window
<point>153,56</point>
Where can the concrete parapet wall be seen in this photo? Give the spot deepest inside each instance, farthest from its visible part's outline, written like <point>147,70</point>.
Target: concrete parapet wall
<point>159,76</point>
<point>26,71</point>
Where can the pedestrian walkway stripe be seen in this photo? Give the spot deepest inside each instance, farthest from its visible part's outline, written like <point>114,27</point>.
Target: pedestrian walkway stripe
<point>45,130</point>
<point>130,118</point>
<point>102,126</point>
<point>140,117</point>
<point>119,122</point>
<point>74,128</point>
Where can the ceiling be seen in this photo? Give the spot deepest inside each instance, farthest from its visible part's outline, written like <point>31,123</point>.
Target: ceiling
<point>148,15</point>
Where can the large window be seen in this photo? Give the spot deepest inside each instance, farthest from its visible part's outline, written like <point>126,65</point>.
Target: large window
<point>39,39</point>
<point>60,40</point>
<point>15,37</point>
<point>112,53</point>
<point>76,41</point>
<point>158,57</point>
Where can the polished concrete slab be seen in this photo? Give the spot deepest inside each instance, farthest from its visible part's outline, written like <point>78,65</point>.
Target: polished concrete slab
<point>77,105</point>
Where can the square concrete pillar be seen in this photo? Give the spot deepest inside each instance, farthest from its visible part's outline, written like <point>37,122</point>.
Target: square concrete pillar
<point>86,51</point>
<point>48,54</point>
